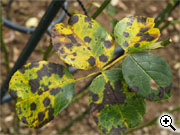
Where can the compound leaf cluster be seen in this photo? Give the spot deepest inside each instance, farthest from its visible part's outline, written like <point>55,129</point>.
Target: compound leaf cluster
<point>116,96</point>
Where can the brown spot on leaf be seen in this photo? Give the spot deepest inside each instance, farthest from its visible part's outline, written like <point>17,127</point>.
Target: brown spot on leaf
<point>87,39</point>
<point>103,58</point>
<point>33,106</point>
<point>91,61</point>
<point>46,101</point>
<point>74,19</point>
<point>72,59</point>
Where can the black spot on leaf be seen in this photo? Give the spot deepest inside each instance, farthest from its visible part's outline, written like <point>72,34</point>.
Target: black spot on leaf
<point>87,19</point>
<point>125,44</point>
<point>33,106</point>
<point>161,92</point>
<point>55,91</point>
<point>87,39</point>
<point>94,96</point>
<point>168,88</point>
<point>103,58</point>
<point>51,113</point>
<point>74,19</point>
<point>71,37</point>
<point>34,85</point>
<point>68,45</point>
<point>46,101</point>
<point>136,45</point>
<point>24,120</point>
<point>135,89</point>
<point>57,46</point>
<point>141,19</point>
<point>151,96</point>
<point>144,29</point>
<point>41,116</point>
<point>91,61</point>
<point>107,44</point>
<point>126,34</point>
<point>147,37</point>
<point>62,50</point>
<point>74,54</point>
<point>13,93</point>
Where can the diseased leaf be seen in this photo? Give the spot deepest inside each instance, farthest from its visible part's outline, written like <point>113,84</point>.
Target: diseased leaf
<point>84,43</point>
<point>42,90</point>
<point>141,69</point>
<point>136,33</point>
<point>115,108</point>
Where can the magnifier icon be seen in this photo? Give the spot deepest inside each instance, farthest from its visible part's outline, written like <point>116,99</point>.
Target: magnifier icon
<point>166,121</point>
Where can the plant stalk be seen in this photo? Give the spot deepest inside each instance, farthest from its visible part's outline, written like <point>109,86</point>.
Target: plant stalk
<point>100,9</point>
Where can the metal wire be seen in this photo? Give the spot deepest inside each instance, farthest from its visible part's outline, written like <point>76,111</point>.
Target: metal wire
<point>23,29</point>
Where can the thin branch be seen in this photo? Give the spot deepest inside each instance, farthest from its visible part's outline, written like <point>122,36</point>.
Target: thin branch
<point>169,8</point>
<point>101,8</point>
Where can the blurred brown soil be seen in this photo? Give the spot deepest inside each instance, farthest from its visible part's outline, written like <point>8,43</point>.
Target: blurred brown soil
<point>21,11</point>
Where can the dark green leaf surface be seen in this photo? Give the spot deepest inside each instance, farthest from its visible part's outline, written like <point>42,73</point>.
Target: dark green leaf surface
<point>114,107</point>
<point>42,90</point>
<point>141,69</point>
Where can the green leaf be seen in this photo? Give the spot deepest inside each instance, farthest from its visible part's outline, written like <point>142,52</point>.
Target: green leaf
<point>143,71</point>
<point>42,90</point>
<point>114,107</point>
<point>84,43</point>
<point>136,33</point>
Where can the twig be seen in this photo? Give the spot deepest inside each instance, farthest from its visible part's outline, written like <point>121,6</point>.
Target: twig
<point>151,122</point>
<point>100,9</point>
<point>168,23</point>
<point>169,8</point>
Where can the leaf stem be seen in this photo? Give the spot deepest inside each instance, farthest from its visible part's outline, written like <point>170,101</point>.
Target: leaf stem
<point>115,61</point>
<point>100,9</point>
<point>168,23</point>
<point>151,122</point>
